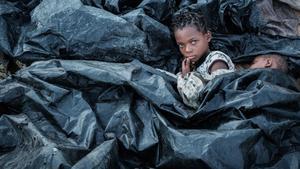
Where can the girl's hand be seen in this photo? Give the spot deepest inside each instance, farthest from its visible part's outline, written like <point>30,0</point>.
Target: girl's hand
<point>186,66</point>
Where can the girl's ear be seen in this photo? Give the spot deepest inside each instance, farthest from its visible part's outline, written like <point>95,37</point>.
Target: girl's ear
<point>268,62</point>
<point>208,36</point>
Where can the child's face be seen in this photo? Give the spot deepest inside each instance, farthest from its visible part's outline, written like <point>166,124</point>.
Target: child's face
<point>192,43</point>
<point>266,62</point>
<point>259,62</point>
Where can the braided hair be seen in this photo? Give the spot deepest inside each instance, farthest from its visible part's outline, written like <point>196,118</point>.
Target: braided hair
<point>185,18</point>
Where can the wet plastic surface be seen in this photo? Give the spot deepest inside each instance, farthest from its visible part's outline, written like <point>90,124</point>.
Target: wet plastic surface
<point>83,113</point>
<point>124,113</point>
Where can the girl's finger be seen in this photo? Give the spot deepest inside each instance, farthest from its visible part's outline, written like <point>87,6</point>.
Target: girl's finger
<point>188,61</point>
<point>184,62</point>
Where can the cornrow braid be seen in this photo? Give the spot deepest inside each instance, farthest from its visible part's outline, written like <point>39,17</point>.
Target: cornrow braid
<point>185,18</point>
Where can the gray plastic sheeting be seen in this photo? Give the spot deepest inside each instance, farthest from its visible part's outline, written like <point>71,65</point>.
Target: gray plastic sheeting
<point>63,114</point>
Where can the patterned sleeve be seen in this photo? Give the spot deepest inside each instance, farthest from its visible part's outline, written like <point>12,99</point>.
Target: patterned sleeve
<point>210,60</point>
<point>189,88</point>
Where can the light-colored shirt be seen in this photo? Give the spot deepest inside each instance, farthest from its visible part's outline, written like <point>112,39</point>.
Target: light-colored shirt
<point>192,83</point>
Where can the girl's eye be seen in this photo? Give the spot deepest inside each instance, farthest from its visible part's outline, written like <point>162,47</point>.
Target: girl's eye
<point>180,46</point>
<point>194,42</point>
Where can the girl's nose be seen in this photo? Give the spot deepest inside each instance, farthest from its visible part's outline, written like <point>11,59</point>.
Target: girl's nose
<point>188,49</point>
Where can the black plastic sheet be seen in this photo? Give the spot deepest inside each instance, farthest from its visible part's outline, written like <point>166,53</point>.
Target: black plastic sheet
<point>110,115</point>
<point>70,113</point>
<point>121,30</point>
<point>243,48</point>
<point>71,30</point>
<point>95,3</point>
<point>277,18</point>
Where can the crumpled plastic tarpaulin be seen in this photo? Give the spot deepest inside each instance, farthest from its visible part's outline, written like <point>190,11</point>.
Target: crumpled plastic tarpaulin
<point>70,30</point>
<point>244,29</point>
<point>75,113</point>
<point>120,31</point>
<point>88,114</point>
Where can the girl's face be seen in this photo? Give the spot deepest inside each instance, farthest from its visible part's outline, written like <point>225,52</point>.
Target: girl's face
<point>192,43</point>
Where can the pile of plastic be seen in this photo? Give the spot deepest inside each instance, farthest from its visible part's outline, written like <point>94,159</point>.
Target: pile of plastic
<point>92,96</point>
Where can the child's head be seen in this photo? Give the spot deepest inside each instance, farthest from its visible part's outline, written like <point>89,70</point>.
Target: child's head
<point>191,34</point>
<point>273,61</point>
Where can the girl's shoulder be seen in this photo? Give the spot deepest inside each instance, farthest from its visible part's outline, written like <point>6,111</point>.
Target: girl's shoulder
<point>217,55</point>
<point>210,59</point>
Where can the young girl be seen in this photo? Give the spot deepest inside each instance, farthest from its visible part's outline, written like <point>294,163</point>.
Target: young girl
<point>199,64</point>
